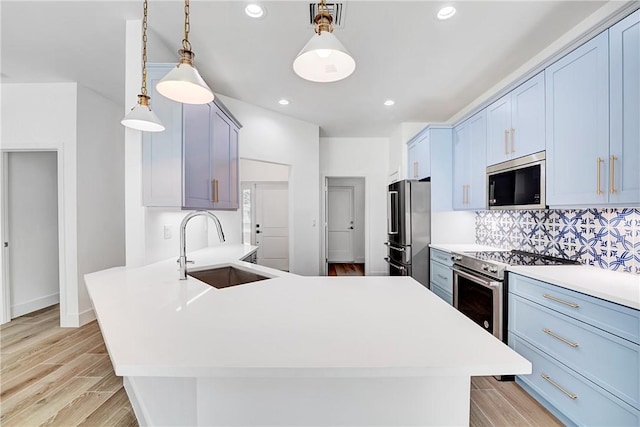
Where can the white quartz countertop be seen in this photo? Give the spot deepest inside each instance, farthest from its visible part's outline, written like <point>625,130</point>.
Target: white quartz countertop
<point>464,247</point>
<point>620,288</point>
<point>156,325</point>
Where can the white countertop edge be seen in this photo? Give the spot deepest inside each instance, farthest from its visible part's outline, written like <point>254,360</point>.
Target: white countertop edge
<point>622,288</point>
<point>523,368</point>
<point>464,247</point>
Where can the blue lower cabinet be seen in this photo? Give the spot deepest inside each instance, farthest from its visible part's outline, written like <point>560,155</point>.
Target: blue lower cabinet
<point>442,293</point>
<point>574,399</point>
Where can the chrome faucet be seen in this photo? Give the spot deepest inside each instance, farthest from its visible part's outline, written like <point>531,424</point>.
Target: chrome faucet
<point>183,238</point>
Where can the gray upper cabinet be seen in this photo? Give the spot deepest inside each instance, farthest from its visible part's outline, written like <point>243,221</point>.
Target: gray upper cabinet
<point>515,122</point>
<point>194,163</point>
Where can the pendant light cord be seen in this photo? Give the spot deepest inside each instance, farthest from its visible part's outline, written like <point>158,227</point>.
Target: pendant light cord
<point>144,49</point>
<point>185,42</point>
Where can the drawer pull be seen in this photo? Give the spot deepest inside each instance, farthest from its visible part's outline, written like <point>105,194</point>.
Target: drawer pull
<point>553,383</point>
<point>556,336</point>
<point>552,298</point>
<point>442,277</point>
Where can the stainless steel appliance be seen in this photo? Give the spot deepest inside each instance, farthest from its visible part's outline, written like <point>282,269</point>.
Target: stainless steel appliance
<point>480,286</point>
<point>518,183</point>
<point>409,229</point>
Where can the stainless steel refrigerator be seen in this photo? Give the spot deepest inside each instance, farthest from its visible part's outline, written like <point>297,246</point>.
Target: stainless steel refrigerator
<point>409,229</point>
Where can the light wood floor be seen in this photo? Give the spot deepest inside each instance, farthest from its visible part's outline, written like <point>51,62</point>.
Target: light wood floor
<point>346,269</point>
<point>63,377</point>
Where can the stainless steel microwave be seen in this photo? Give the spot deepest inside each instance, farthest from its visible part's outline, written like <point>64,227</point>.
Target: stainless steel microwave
<point>517,184</point>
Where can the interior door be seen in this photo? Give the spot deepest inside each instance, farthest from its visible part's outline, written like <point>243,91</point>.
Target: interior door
<point>340,246</point>
<point>272,224</point>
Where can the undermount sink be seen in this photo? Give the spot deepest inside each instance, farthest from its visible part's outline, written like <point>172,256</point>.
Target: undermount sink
<point>224,277</point>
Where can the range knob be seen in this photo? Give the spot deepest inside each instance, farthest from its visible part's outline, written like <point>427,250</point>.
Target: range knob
<point>493,269</point>
<point>456,258</point>
<point>485,267</point>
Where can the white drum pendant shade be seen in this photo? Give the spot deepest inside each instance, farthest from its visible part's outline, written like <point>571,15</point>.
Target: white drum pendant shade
<point>184,84</point>
<point>324,59</point>
<point>142,118</point>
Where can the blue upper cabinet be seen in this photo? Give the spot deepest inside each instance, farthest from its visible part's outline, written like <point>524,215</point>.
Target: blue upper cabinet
<point>577,125</point>
<point>418,157</point>
<point>469,164</point>
<point>624,154</point>
<point>516,122</point>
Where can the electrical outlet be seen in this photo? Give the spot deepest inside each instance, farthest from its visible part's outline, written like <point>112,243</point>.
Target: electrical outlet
<point>167,232</point>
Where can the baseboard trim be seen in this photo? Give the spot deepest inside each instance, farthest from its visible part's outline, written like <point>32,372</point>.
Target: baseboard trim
<point>34,305</point>
<point>87,316</point>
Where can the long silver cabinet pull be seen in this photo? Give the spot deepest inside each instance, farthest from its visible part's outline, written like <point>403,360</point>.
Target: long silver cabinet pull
<point>556,385</point>
<point>552,298</point>
<point>558,337</point>
<point>442,277</point>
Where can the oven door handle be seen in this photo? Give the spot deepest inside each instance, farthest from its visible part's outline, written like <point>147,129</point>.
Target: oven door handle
<point>394,265</point>
<point>487,283</point>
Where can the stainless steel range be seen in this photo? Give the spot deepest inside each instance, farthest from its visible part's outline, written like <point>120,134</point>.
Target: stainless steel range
<point>479,284</point>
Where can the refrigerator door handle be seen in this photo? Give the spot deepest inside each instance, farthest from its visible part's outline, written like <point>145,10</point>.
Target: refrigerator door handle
<point>395,248</point>
<point>392,212</point>
<point>393,264</point>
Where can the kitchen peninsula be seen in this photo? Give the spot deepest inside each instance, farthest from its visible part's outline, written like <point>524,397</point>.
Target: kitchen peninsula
<point>289,350</point>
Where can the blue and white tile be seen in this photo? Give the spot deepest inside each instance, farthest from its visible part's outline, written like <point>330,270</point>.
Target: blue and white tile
<point>622,217</point>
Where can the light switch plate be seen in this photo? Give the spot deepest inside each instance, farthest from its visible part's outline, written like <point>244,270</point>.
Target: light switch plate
<point>167,232</point>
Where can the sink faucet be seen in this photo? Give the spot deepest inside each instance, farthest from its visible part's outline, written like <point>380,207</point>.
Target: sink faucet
<point>183,238</point>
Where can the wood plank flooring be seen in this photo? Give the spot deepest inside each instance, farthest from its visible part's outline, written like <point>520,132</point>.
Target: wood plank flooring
<point>346,269</point>
<point>52,376</point>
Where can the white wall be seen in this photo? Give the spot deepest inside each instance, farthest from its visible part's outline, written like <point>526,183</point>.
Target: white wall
<point>358,185</point>
<point>257,171</point>
<point>368,158</point>
<point>43,117</point>
<point>100,166</point>
<point>272,137</point>
<point>32,204</point>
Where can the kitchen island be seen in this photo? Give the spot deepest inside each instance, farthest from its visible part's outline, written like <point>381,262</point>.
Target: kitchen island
<point>290,350</point>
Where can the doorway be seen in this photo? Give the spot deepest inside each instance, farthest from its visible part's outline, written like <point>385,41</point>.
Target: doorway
<point>30,230</point>
<point>344,225</point>
<point>265,213</point>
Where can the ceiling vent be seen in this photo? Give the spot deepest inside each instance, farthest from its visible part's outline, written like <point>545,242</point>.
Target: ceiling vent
<point>336,10</point>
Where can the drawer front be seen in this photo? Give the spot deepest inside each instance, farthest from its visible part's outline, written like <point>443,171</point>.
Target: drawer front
<point>619,320</point>
<point>591,406</point>
<point>441,256</point>
<point>436,289</point>
<point>442,276</point>
<point>609,361</point>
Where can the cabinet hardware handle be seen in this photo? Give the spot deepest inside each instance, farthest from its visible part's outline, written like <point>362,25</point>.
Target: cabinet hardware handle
<point>553,383</point>
<point>214,190</point>
<point>506,135</point>
<point>552,298</point>
<point>441,276</point>
<point>612,162</point>
<point>416,168</point>
<point>598,191</point>
<point>556,336</point>
<point>513,147</point>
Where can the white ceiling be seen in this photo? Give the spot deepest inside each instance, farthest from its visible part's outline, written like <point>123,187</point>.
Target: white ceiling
<point>431,68</point>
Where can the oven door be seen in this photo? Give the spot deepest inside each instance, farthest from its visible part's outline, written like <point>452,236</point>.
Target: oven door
<point>480,299</point>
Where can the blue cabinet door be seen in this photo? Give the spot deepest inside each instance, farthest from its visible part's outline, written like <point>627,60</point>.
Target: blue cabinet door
<point>577,125</point>
<point>199,188</point>
<point>469,163</point>
<point>498,130</point>
<point>526,135</point>
<point>440,154</point>
<point>624,155</point>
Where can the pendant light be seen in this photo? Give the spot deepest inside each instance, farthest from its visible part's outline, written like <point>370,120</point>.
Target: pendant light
<point>324,59</point>
<point>184,83</point>
<point>141,117</point>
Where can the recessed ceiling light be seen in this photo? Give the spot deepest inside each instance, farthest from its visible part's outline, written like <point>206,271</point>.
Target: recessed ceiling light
<point>446,12</point>
<point>254,10</point>
<point>283,102</point>
<point>389,102</point>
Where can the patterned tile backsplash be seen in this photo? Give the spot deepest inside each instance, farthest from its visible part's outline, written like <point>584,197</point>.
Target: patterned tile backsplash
<point>607,238</point>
